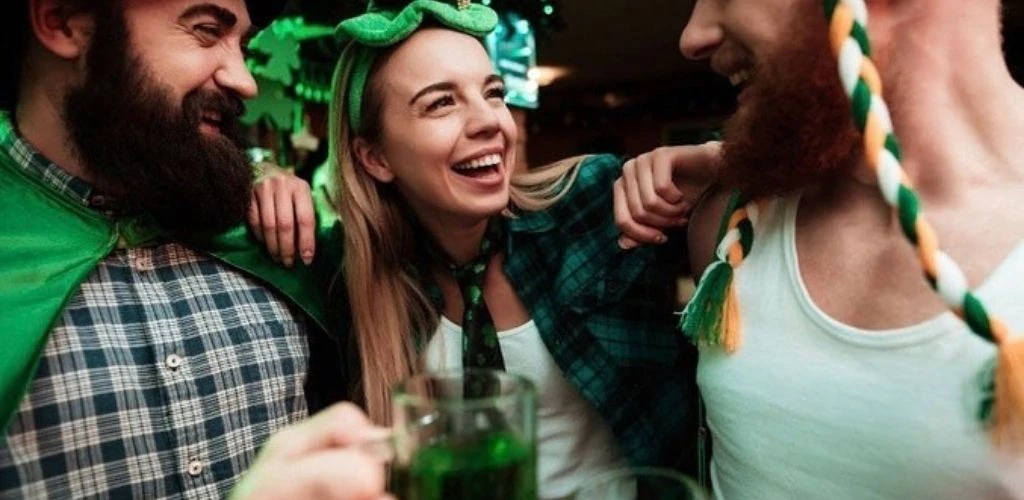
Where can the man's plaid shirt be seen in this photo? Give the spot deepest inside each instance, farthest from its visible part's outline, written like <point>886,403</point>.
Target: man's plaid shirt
<point>606,316</point>
<point>162,377</point>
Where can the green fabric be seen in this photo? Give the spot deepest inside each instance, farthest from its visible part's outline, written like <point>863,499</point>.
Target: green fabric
<point>861,35</point>
<point>384,28</point>
<point>861,104</point>
<point>701,321</point>
<point>379,28</point>
<point>240,250</point>
<point>480,347</point>
<point>909,209</point>
<point>830,8</point>
<point>49,245</point>
<point>43,258</point>
<point>364,57</point>
<point>746,229</point>
<point>858,32</point>
<point>988,392</point>
<point>977,318</point>
<point>606,316</point>
<point>893,146</point>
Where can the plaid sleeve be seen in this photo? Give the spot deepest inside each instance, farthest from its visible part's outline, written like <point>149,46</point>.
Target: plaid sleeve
<point>588,204</point>
<point>607,315</point>
<point>628,294</point>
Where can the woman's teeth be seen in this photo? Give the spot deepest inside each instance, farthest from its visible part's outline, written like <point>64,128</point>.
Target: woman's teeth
<point>486,161</point>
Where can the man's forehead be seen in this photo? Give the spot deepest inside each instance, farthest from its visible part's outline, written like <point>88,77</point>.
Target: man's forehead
<point>172,10</point>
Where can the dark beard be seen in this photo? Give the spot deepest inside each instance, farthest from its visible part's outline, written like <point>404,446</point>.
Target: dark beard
<point>148,151</point>
<point>795,129</point>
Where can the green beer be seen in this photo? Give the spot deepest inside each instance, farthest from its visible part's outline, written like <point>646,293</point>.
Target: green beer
<point>453,441</point>
<point>489,465</point>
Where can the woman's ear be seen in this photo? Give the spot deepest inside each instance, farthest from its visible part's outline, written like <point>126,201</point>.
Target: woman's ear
<point>371,160</point>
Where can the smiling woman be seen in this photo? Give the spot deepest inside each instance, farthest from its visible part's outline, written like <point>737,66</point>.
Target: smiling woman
<point>441,120</point>
<point>454,259</point>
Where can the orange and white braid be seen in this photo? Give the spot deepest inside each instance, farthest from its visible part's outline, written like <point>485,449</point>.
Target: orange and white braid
<point>850,43</point>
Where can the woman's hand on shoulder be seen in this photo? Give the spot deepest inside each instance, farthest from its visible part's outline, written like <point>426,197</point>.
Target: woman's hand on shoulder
<point>281,215</point>
<point>659,189</point>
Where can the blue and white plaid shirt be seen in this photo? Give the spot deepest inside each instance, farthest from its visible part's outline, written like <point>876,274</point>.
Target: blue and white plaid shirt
<point>162,377</point>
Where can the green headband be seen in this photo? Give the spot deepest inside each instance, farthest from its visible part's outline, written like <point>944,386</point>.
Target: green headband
<point>378,28</point>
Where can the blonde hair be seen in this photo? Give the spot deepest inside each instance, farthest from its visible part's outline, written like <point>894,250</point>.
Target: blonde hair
<point>389,305</point>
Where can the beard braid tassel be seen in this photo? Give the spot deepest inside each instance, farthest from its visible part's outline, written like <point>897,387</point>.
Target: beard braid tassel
<point>712,317</point>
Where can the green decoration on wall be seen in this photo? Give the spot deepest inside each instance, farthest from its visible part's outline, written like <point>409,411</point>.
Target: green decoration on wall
<point>279,44</point>
<point>277,64</point>
<point>274,103</point>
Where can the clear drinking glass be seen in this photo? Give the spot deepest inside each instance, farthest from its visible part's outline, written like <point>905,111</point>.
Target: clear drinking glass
<point>468,434</point>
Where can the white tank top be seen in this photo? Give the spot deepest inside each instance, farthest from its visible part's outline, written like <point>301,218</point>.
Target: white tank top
<point>573,442</point>
<point>809,407</point>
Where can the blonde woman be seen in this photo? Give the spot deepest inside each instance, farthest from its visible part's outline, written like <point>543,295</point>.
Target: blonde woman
<point>449,258</point>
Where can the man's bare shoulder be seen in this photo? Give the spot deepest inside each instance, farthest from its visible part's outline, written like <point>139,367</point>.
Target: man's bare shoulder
<point>702,233</point>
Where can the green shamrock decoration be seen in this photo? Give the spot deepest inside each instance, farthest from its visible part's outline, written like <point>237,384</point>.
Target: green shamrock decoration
<point>279,44</point>
<point>272,103</point>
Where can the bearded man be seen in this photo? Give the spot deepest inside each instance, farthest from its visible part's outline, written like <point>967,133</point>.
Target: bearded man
<point>851,377</point>
<point>150,347</point>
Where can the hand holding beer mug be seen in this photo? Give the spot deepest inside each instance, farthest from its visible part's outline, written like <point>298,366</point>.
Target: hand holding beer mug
<point>456,435</point>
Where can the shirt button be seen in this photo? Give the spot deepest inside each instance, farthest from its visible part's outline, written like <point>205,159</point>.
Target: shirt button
<point>173,361</point>
<point>144,263</point>
<point>195,468</point>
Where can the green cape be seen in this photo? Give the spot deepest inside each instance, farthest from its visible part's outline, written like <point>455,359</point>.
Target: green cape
<point>49,245</point>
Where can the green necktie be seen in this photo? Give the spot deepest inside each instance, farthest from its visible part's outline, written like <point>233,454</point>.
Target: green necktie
<point>480,348</point>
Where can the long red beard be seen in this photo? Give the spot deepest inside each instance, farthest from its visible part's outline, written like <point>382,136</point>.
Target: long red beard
<point>795,128</point>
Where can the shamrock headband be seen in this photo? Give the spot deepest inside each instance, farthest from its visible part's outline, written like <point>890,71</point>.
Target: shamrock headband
<point>382,28</point>
<point>712,317</point>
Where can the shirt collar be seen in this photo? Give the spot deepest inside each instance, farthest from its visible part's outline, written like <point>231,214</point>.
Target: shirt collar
<point>37,166</point>
<point>531,222</point>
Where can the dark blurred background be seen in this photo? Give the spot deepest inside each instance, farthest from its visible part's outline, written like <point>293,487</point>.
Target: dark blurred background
<point>629,89</point>
<point>610,75</point>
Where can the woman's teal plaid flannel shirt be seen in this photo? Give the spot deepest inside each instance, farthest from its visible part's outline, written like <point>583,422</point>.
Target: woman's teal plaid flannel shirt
<point>605,314</point>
